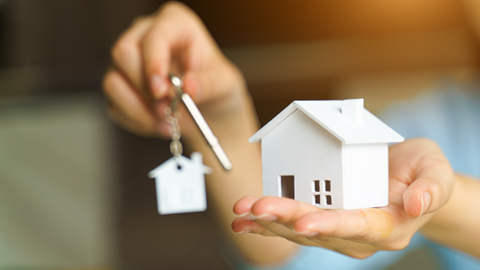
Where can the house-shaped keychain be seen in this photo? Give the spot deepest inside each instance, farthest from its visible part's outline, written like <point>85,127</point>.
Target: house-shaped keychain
<point>180,184</point>
<point>331,154</point>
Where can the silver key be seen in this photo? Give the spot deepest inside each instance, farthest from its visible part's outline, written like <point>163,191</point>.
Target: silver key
<point>207,132</point>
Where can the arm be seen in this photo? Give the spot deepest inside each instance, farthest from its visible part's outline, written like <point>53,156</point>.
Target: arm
<point>174,39</point>
<point>457,224</point>
<point>225,189</point>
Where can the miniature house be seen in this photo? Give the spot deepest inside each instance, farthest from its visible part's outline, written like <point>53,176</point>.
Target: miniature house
<point>331,154</point>
<point>180,185</point>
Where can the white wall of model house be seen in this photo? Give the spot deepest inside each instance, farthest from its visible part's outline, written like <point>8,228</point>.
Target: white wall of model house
<point>332,154</point>
<point>366,175</point>
<point>301,148</point>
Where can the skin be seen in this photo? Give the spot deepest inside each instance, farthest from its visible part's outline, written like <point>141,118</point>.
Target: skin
<point>174,39</point>
<point>421,180</point>
<point>457,223</point>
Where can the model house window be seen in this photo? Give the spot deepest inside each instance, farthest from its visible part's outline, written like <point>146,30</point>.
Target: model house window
<point>328,199</point>
<point>316,192</point>
<point>327,186</point>
<point>317,185</point>
<point>322,192</point>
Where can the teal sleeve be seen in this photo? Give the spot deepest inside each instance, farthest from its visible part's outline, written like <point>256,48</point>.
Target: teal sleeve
<point>315,258</point>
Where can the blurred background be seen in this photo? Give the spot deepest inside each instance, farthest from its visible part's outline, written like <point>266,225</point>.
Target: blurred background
<point>74,192</point>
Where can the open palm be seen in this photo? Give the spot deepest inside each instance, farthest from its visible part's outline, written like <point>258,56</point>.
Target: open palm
<point>420,182</point>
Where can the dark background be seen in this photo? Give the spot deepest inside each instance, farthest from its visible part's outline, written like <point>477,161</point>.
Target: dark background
<point>73,38</point>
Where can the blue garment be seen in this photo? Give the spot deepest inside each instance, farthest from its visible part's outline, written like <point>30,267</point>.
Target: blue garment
<point>451,118</point>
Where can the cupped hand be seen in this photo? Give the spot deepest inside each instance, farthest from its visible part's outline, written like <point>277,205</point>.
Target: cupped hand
<point>420,182</point>
<point>173,39</point>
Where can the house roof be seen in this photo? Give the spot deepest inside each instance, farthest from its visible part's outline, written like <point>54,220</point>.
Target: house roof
<point>172,163</point>
<point>327,113</point>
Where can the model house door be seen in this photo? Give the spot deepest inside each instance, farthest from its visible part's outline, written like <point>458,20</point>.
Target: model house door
<point>287,186</point>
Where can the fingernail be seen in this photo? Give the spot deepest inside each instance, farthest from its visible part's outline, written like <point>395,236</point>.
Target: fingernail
<point>159,86</point>
<point>426,202</point>
<point>242,215</point>
<point>242,232</point>
<point>246,215</point>
<point>266,217</point>
<point>305,233</point>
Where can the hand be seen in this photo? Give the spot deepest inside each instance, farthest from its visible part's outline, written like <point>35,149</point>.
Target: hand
<point>421,181</point>
<point>171,40</point>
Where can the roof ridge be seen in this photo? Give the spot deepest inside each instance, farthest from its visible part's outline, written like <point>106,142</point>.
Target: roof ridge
<point>330,117</point>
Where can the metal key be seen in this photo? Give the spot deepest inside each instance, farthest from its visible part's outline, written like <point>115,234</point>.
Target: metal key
<point>207,132</point>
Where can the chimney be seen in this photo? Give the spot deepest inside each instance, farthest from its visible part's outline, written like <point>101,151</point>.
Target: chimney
<point>197,157</point>
<point>352,109</point>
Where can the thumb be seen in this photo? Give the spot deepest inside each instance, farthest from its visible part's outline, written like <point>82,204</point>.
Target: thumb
<point>417,200</point>
<point>421,164</point>
<point>214,82</point>
<point>176,41</point>
<point>427,193</point>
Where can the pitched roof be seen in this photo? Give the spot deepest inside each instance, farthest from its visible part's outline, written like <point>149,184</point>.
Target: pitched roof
<point>327,113</point>
<point>196,161</point>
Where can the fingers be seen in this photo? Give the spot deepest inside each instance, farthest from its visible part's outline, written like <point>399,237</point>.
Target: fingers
<point>362,225</point>
<point>179,42</point>
<point>127,56</point>
<point>173,40</point>
<point>356,233</point>
<point>241,226</point>
<point>429,191</point>
<point>264,224</point>
<point>417,199</point>
<point>243,207</point>
<point>431,177</point>
<point>127,106</point>
<point>120,119</point>
<point>275,214</point>
<point>176,30</point>
<point>213,82</point>
<point>282,210</point>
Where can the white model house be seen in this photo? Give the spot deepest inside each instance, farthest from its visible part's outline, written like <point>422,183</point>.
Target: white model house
<point>180,184</point>
<point>332,154</point>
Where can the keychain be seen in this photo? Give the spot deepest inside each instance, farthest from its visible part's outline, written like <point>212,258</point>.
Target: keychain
<point>180,181</point>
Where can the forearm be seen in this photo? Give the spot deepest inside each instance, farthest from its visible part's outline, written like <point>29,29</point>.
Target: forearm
<point>457,223</point>
<point>225,188</point>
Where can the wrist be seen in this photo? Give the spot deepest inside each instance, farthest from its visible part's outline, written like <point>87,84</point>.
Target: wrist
<point>440,219</point>
<point>456,223</point>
